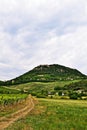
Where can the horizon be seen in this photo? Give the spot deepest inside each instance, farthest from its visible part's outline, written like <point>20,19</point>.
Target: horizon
<point>34,33</point>
<point>38,66</point>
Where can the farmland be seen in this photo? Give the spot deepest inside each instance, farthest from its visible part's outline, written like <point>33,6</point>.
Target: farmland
<point>37,87</point>
<point>6,99</point>
<point>54,87</point>
<point>21,109</point>
<point>11,102</point>
<point>50,114</point>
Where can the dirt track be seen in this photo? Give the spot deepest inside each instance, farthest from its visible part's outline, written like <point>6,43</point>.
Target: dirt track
<point>6,121</point>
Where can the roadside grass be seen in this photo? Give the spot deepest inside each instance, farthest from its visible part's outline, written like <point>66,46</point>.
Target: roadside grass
<point>51,114</point>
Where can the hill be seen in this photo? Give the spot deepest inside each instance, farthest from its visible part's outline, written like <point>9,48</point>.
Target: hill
<point>75,86</point>
<point>8,90</point>
<point>48,73</point>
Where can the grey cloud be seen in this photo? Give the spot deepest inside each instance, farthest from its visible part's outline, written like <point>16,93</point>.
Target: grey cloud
<point>42,32</point>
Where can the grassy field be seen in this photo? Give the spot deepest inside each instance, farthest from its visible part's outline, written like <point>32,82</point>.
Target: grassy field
<point>38,86</point>
<point>8,90</point>
<point>50,114</point>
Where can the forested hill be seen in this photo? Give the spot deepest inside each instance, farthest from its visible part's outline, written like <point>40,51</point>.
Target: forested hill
<point>48,73</point>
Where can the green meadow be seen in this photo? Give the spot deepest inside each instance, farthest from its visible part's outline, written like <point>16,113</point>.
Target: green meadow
<point>38,86</point>
<point>51,114</point>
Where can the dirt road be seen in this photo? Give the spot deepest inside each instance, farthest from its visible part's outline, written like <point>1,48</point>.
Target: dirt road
<point>6,121</point>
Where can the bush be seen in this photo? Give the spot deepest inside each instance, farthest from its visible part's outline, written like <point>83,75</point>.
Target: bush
<point>33,94</point>
<point>60,93</point>
<point>73,95</point>
<point>57,88</point>
<point>41,96</point>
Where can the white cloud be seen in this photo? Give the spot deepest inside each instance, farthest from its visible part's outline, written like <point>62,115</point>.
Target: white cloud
<point>40,32</point>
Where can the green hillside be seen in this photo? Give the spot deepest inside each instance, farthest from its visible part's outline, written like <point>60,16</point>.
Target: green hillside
<point>40,87</point>
<point>48,79</point>
<point>48,73</point>
<point>75,86</point>
<point>7,90</point>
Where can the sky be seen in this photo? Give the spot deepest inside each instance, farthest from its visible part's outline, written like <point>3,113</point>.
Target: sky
<point>35,32</point>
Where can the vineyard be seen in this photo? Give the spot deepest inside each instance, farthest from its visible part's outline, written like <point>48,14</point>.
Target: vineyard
<point>10,99</point>
<point>14,107</point>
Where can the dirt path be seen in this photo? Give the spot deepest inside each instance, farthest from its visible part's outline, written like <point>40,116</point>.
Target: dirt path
<point>6,121</point>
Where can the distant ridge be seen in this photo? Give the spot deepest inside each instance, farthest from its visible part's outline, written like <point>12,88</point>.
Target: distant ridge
<point>47,73</point>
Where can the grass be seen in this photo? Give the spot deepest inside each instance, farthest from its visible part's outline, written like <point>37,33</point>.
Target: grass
<point>13,103</point>
<point>13,96</point>
<point>8,90</point>
<point>38,86</point>
<point>51,114</point>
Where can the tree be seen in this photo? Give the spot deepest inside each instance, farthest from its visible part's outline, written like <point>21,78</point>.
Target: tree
<point>60,93</point>
<point>57,88</point>
<point>73,95</point>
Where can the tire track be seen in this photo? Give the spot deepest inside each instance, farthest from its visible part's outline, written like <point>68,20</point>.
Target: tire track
<point>6,121</point>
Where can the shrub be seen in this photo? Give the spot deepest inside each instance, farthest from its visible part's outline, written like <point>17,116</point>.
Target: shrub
<point>57,88</point>
<point>41,96</point>
<point>60,93</point>
<point>73,95</point>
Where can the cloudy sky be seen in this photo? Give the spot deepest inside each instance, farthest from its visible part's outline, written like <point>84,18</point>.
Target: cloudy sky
<point>34,32</point>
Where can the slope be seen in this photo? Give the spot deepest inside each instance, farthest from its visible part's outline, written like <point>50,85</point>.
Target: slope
<point>48,73</point>
<point>81,85</point>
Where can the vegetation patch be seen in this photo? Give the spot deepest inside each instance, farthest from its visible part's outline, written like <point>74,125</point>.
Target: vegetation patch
<point>52,114</point>
<point>11,102</point>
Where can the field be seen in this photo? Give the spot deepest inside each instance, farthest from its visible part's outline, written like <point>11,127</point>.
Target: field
<point>11,102</point>
<point>8,90</point>
<point>39,86</point>
<point>50,114</point>
<point>6,99</point>
<point>54,113</point>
